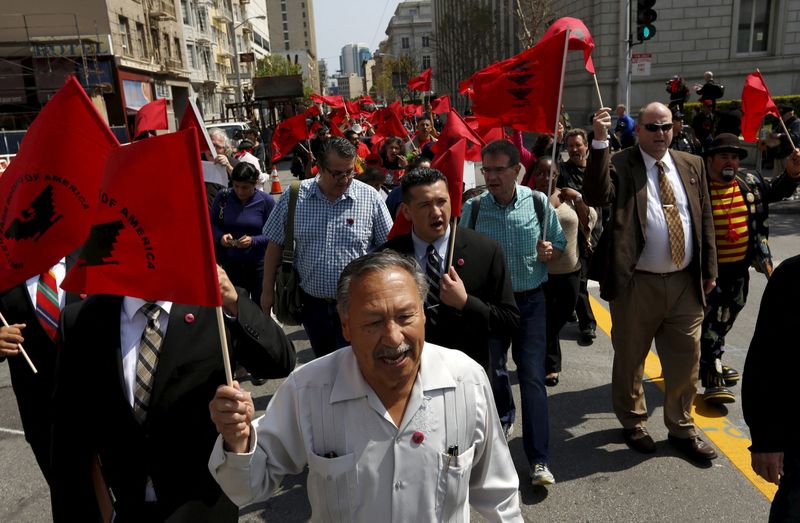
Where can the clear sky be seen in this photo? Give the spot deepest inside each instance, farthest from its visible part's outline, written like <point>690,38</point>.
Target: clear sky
<point>340,22</point>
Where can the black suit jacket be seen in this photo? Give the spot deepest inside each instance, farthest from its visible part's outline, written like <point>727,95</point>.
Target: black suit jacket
<point>93,416</point>
<point>490,309</point>
<point>34,392</point>
<point>621,182</point>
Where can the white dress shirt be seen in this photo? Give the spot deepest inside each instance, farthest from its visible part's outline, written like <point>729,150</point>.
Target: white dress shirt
<point>421,249</point>
<point>364,468</point>
<point>656,255</point>
<point>60,271</point>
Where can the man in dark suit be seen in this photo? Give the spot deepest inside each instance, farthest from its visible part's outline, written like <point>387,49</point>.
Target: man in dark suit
<point>24,307</point>
<point>149,429</point>
<point>475,301</point>
<point>656,261</point>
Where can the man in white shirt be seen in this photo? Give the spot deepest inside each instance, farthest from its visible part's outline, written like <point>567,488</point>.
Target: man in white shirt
<point>391,428</point>
<point>655,262</point>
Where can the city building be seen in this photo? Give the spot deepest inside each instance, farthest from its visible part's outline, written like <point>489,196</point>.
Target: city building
<point>322,67</point>
<point>353,58</point>
<point>350,85</point>
<point>292,32</point>
<point>410,33</point>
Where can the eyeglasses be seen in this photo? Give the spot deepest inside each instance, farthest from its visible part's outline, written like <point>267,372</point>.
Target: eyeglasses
<point>495,170</point>
<point>342,174</point>
<point>653,127</point>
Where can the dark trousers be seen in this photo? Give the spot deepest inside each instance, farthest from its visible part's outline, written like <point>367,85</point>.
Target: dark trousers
<point>786,505</point>
<point>561,294</point>
<point>723,305</point>
<point>583,308</point>
<point>322,325</point>
<point>501,383</point>
<point>246,274</point>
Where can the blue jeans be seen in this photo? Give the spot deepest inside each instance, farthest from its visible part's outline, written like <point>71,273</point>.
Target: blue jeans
<point>501,384</point>
<point>528,347</point>
<point>322,325</point>
<point>786,505</point>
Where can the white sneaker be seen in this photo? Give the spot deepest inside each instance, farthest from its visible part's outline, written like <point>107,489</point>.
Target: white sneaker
<point>541,475</point>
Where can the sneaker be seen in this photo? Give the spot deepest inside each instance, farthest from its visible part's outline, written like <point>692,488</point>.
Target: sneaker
<point>508,430</point>
<point>541,475</point>
<point>716,391</point>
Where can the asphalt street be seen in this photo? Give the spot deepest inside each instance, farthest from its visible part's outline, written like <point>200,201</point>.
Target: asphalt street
<point>597,477</point>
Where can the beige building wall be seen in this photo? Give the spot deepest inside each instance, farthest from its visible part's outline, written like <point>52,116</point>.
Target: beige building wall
<point>293,34</point>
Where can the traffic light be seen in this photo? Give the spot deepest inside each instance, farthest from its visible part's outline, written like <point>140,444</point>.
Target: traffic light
<point>645,16</point>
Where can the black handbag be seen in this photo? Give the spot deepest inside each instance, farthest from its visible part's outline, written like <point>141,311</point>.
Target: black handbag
<point>288,303</point>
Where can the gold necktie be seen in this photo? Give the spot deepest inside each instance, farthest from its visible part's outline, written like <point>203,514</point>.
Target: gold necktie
<point>674,225</point>
<point>147,362</point>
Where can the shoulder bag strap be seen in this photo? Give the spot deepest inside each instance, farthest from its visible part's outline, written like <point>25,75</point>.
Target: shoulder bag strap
<point>288,232</point>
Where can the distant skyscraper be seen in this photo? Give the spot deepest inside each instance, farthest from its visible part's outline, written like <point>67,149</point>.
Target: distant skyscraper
<point>353,57</point>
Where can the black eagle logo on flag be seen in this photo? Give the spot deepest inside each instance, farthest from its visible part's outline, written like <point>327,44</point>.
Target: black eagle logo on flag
<point>35,219</point>
<point>100,244</point>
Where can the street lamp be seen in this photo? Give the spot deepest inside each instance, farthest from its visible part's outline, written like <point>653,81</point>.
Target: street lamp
<point>236,60</point>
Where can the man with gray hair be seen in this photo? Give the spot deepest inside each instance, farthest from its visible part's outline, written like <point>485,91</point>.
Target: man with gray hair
<point>392,428</point>
<point>336,220</point>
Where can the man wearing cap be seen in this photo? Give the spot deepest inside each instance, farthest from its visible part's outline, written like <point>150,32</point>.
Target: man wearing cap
<point>682,137</point>
<point>739,201</point>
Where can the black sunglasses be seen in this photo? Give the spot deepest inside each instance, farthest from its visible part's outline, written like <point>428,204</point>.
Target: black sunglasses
<point>653,127</point>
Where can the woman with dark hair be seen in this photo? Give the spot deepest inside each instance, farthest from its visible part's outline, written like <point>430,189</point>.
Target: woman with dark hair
<point>393,159</point>
<point>238,215</point>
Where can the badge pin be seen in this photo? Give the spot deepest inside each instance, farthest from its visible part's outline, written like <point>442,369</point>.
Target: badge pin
<point>418,437</point>
<point>750,197</point>
<point>350,221</point>
<point>460,262</point>
<point>189,318</point>
<point>692,181</point>
<point>753,209</point>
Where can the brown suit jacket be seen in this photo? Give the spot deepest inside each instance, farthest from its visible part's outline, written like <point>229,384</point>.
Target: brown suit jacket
<point>621,181</point>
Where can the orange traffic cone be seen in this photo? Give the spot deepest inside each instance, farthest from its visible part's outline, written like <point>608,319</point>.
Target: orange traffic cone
<point>276,183</point>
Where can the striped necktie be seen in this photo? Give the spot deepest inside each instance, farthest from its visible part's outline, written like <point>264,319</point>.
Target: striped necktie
<point>147,361</point>
<point>677,249</point>
<point>433,267</point>
<point>47,303</point>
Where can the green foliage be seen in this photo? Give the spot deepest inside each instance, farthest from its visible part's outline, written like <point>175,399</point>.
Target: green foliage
<point>726,105</point>
<point>276,65</point>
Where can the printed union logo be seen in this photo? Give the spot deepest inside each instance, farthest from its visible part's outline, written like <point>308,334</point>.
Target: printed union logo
<point>99,247</point>
<point>36,219</point>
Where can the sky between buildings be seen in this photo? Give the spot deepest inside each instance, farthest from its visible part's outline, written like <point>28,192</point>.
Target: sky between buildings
<point>341,22</point>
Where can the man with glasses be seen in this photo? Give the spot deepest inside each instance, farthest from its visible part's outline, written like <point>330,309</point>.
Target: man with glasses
<point>655,262</point>
<point>515,216</point>
<point>336,220</point>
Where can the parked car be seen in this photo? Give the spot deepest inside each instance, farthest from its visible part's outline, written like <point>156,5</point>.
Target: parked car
<point>232,129</point>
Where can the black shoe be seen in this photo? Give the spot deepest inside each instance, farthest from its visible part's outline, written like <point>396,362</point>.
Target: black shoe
<point>588,334</point>
<point>257,381</point>
<point>693,448</point>
<point>551,381</point>
<point>718,396</point>
<point>639,440</point>
<point>730,375</point>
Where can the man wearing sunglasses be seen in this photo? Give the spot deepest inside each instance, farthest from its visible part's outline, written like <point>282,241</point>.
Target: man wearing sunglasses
<point>655,262</point>
<point>336,220</point>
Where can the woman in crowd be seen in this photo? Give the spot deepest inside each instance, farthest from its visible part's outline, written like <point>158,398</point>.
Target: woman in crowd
<point>561,288</point>
<point>238,215</point>
<point>393,159</point>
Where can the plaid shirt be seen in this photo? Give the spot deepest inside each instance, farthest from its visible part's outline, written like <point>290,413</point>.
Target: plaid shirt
<point>516,228</point>
<point>329,235</point>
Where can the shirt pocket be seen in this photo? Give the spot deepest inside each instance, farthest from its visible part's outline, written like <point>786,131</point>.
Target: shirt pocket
<point>453,484</point>
<point>331,482</point>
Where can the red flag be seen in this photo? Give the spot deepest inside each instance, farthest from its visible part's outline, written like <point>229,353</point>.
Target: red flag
<point>441,105</point>
<point>579,38</point>
<point>366,100</point>
<point>451,164</point>
<point>422,82</point>
<point>49,191</point>
<point>192,119</point>
<point>287,134</point>
<point>332,101</point>
<point>411,110</point>
<point>151,117</point>
<point>756,104</point>
<point>387,123</point>
<point>313,111</point>
<point>138,245</point>
<point>521,92</point>
<point>401,226</point>
<point>338,118</point>
<point>455,128</point>
<point>353,108</point>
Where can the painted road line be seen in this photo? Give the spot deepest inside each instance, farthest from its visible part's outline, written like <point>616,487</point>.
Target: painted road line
<point>11,431</point>
<point>724,434</point>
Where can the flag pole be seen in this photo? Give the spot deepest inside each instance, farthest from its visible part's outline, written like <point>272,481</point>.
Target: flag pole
<point>224,343</point>
<point>21,349</point>
<point>597,88</point>
<point>783,124</point>
<point>451,244</point>
<point>555,135</point>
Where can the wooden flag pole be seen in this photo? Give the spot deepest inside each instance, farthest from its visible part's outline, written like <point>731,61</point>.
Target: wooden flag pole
<point>223,339</point>
<point>597,88</point>
<point>783,124</point>
<point>21,349</point>
<point>451,244</point>
<point>555,135</point>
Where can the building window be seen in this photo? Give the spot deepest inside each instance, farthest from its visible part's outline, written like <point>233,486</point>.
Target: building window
<point>125,35</point>
<point>305,24</point>
<point>141,39</point>
<point>304,14</point>
<point>284,16</point>
<point>155,41</point>
<point>404,42</point>
<point>167,47</point>
<point>285,26</point>
<point>426,41</point>
<point>412,12</point>
<point>754,26</point>
<point>190,53</point>
<point>185,11</point>
<point>178,51</point>
<point>426,61</point>
<point>286,46</point>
